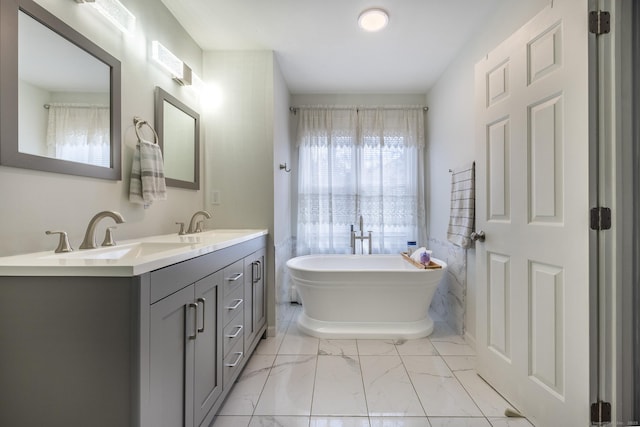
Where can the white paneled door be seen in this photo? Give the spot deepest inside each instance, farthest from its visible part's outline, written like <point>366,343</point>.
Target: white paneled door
<point>533,205</point>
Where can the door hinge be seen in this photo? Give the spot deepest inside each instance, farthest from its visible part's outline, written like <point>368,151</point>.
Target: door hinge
<point>600,413</point>
<point>600,218</point>
<point>599,22</point>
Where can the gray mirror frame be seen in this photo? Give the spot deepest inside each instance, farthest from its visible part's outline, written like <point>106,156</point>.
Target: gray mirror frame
<point>10,154</point>
<point>160,97</point>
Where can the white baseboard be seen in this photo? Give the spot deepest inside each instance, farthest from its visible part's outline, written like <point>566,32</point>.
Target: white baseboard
<point>471,340</point>
<point>271,331</point>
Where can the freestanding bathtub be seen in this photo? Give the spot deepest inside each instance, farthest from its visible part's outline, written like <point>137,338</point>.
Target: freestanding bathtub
<point>364,296</point>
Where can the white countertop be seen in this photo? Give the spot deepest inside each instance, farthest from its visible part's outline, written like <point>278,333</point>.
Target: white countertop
<point>127,258</point>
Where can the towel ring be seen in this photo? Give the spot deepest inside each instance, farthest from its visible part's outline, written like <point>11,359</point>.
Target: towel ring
<point>138,123</point>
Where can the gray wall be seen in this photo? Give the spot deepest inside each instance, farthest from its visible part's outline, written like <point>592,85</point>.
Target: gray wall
<point>32,201</point>
<point>450,128</point>
<point>241,134</point>
<point>283,181</point>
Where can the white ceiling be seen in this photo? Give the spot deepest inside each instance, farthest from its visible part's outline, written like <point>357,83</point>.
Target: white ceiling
<point>320,48</point>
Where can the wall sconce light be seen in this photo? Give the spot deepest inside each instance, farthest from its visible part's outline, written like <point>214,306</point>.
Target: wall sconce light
<point>180,71</point>
<point>114,12</point>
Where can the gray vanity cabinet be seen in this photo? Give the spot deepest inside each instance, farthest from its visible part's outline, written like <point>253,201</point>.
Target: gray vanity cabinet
<point>185,365</point>
<point>255,313</point>
<point>208,345</point>
<point>196,333</point>
<point>171,363</point>
<point>160,349</point>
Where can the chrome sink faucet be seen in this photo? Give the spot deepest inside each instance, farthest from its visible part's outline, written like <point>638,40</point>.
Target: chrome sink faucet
<point>89,241</point>
<point>361,237</point>
<point>195,226</point>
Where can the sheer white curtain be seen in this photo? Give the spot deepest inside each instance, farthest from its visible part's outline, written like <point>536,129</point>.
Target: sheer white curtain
<point>79,133</point>
<point>356,162</point>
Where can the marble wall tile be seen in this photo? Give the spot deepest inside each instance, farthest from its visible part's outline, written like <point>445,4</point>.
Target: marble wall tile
<point>449,300</point>
<point>284,251</point>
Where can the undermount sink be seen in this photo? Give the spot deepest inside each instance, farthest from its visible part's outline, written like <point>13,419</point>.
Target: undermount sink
<point>126,251</point>
<point>220,234</point>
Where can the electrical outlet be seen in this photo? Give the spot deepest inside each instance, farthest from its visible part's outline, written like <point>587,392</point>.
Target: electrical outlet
<point>215,197</point>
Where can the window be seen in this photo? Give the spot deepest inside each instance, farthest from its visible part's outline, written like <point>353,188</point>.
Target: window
<point>360,162</point>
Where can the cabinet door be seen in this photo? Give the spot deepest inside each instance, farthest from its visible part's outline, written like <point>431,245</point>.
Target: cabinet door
<point>172,330</point>
<point>260,292</point>
<point>208,345</point>
<point>254,295</point>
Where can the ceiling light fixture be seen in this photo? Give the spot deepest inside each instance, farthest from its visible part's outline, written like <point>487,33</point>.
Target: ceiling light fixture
<point>115,12</point>
<point>373,19</point>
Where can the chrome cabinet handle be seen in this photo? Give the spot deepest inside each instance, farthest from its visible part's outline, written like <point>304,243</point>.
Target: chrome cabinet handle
<point>259,270</point>
<point>255,271</point>
<point>231,365</point>
<point>478,236</point>
<point>234,277</point>
<point>240,327</point>
<point>204,311</point>
<point>195,319</point>
<point>238,302</point>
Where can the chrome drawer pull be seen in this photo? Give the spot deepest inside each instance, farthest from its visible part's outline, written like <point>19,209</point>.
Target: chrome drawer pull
<point>231,365</point>
<point>234,277</point>
<point>237,332</point>
<point>195,319</point>
<point>255,268</point>
<point>204,310</point>
<point>238,302</point>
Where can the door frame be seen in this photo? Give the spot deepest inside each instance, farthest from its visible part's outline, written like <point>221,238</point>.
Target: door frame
<point>616,181</point>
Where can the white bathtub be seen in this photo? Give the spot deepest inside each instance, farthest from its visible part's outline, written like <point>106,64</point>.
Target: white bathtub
<point>364,296</point>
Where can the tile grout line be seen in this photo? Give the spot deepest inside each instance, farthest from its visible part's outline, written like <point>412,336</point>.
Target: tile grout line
<point>364,389</point>
<point>413,385</point>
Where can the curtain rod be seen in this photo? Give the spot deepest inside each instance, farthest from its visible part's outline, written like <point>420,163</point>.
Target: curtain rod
<point>47,106</point>
<point>294,110</point>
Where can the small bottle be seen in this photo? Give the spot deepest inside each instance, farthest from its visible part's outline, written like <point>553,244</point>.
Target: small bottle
<point>411,246</point>
<point>425,258</point>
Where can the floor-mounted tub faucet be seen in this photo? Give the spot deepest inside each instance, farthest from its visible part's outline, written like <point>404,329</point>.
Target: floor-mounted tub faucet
<point>89,241</point>
<point>361,237</point>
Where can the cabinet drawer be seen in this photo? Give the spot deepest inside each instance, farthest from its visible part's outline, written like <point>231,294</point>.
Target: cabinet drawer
<point>232,363</point>
<point>233,304</point>
<point>232,333</point>
<point>233,277</point>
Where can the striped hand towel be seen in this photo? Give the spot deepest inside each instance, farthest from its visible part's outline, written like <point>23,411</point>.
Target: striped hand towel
<point>463,202</point>
<point>147,174</point>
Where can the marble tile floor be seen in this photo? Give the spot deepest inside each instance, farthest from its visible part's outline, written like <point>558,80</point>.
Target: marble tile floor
<point>294,380</point>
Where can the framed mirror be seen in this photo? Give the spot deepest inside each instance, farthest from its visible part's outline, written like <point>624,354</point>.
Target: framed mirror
<point>59,96</point>
<point>178,128</point>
